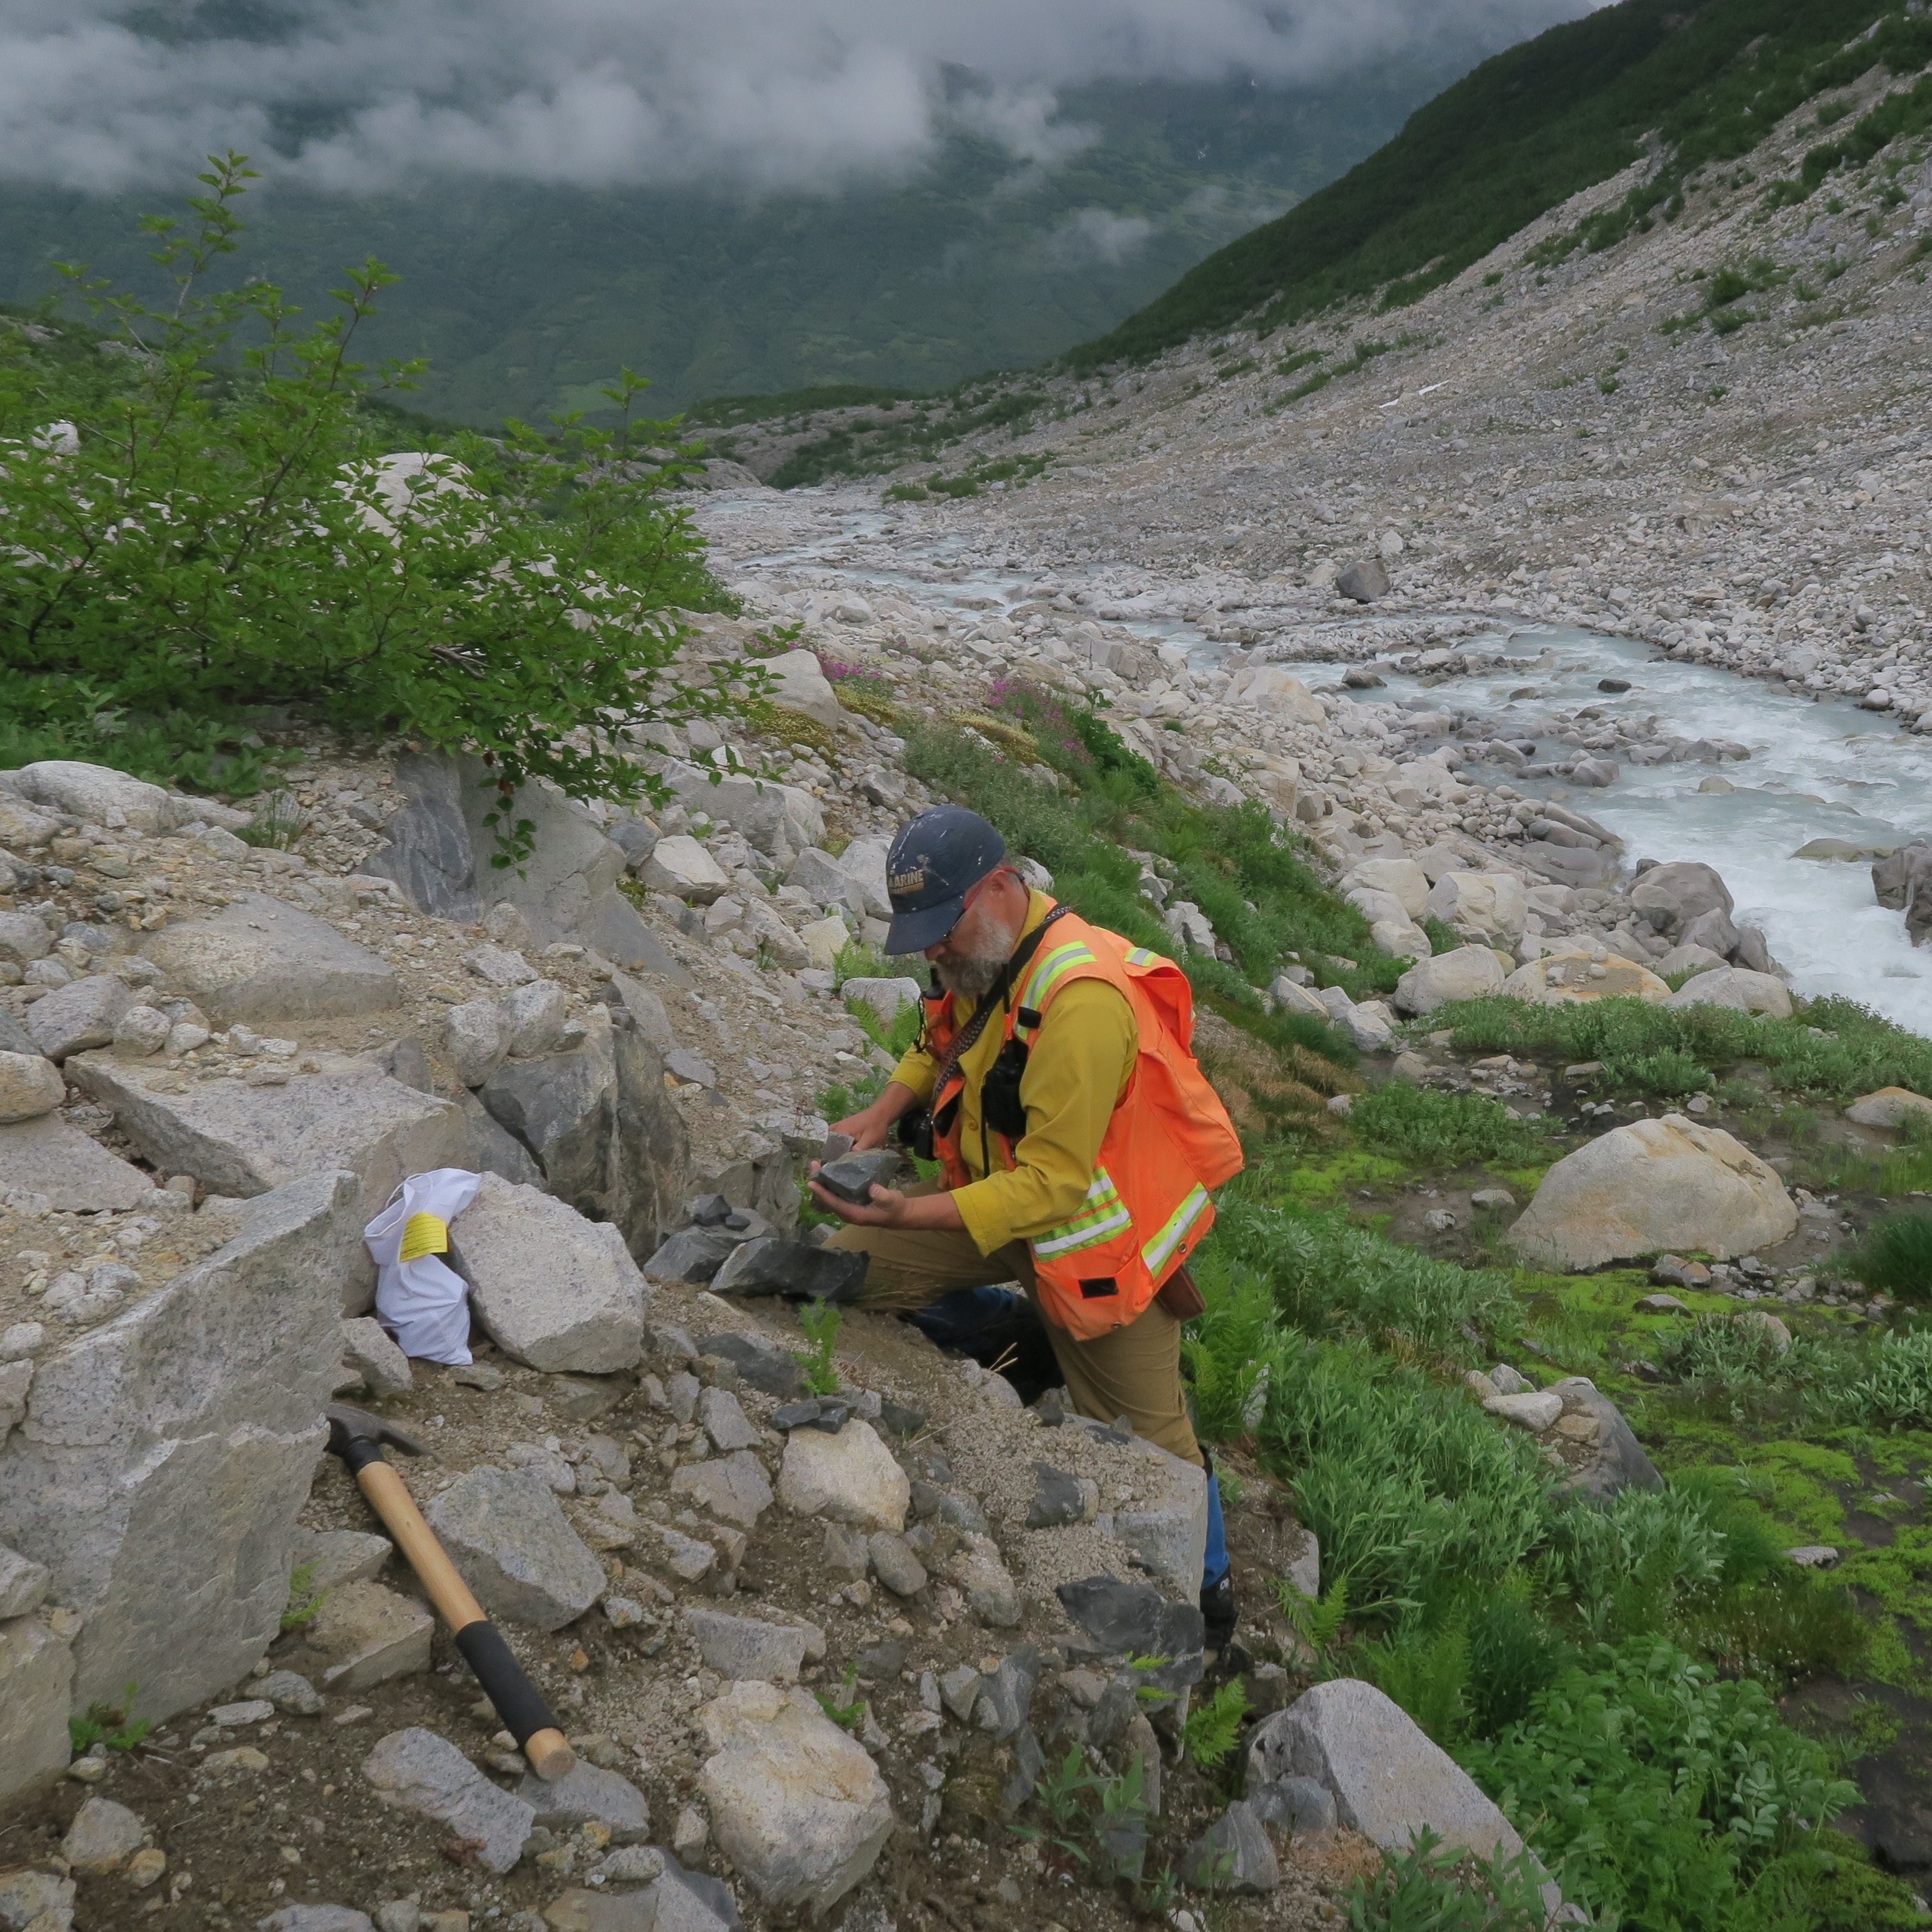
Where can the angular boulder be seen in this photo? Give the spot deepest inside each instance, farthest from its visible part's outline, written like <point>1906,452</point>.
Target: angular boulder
<point>1363,581</point>
<point>1654,1185</point>
<point>681,866</point>
<point>778,820</point>
<point>81,1014</point>
<point>1742,992</point>
<point>1669,897</point>
<point>1889,1107</point>
<point>36,1696</point>
<point>101,796</point>
<point>30,1086</point>
<point>507,1535</point>
<point>75,1172</point>
<point>1389,1781</point>
<point>1570,976</point>
<point>417,1770</point>
<point>798,683</point>
<point>1608,1457</point>
<point>1268,689</point>
<point>797,1805</point>
<point>1487,907</point>
<point>746,1648</point>
<point>1469,972</point>
<point>165,1454</point>
<point>851,1477</point>
<point>555,1291</point>
<point>261,959</point>
<point>602,1131</point>
<point>1403,879</point>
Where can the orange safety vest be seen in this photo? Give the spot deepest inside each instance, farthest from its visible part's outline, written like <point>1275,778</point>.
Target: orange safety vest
<point>1170,1139</point>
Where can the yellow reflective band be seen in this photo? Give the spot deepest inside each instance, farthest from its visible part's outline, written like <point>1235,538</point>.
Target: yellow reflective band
<point>1050,970</point>
<point>1102,1214</point>
<point>1142,956</point>
<point>424,1234</point>
<point>1157,1251</point>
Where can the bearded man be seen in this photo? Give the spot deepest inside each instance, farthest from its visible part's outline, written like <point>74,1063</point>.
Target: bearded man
<point>1055,1083</point>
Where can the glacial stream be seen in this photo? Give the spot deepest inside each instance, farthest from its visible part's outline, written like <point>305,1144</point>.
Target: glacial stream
<point>1818,770</point>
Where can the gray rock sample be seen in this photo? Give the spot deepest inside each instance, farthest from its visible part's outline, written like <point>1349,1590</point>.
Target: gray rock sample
<point>852,1177</point>
<point>261,959</point>
<point>1136,1620</point>
<point>370,1350</point>
<point>743,1648</point>
<point>1365,580</point>
<point>1617,1460</point>
<point>417,1770</point>
<point>1005,1698</point>
<point>552,1289</point>
<point>775,1266</point>
<point>1295,1804</point>
<point>506,1533</point>
<point>165,1454</point>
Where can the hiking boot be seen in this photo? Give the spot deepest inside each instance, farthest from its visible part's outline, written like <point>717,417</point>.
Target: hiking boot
<point>1217,1611</point>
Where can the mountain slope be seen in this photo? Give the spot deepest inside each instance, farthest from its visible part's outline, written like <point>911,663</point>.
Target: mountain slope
<point>1520,135</point>
<point>527,299</point>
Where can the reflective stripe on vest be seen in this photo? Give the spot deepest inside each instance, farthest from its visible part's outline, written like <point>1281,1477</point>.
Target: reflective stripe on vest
<point>1156,1251</point>
<point>1102,1214</point>
<point>1050,968</point>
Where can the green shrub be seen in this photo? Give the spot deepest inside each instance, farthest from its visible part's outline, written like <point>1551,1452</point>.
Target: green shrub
<point>1430,1888</point>
<point>1896,1391</point>
<point>1896,1256</point>
<point>1439,1129</point>
<point>214,536</point>
<point>1664,1790</point>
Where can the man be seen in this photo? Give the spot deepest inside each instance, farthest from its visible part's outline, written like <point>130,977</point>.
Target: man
<point>1077,1137</point>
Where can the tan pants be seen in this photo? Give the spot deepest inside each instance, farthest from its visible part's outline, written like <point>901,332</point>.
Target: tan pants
<point>1134,1371</point>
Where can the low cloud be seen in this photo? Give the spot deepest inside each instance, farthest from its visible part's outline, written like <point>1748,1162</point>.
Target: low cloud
<point>363,96</point>
<point>1091,235</point>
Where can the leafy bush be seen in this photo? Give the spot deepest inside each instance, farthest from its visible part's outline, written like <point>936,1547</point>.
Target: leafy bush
<point>1430,1888</point>
<point>1404,1482</point>
<point>1328,1277</point>
<point>1896,1256</point>
<point>1665,1790</point>
<point>1441,1130</point>
<point>203,524</point>
<point>1213,1728</point>
<point>1896,1392</point>
<point>1836,1049</point>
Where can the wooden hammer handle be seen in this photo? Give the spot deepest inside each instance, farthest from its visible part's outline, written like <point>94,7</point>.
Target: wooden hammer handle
<point>518,1700</point>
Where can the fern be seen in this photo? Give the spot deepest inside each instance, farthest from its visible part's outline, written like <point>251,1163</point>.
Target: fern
<point>1211,1732</point>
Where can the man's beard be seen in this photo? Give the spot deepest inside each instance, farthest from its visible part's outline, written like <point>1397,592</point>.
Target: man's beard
<point>973,975</point>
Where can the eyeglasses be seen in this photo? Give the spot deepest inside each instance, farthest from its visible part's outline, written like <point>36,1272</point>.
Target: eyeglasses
<point>973,891</point>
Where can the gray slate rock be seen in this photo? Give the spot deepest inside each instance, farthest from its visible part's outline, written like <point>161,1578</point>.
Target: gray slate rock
<point>692,1254</point>
<point>1005,1697</point>
<point>417,1770</point>
<point>1136,1620</point>
<point>315,1919</point>
<point>23,1582</point>
<point>261,959</point>
<point>775,1266</point>
<point>1232,1855</point>
<point>749,1647</point>
<point>814,1412</point>
<point>587,1795</point>
<point>1618,1461</point>
<point>894,1564</point>
<point>761,1365</point>
<point>1060,1499</point>
<point>507,1534</point>
<point>1365,580</point>
<point>369,1348</point>
<point>854,1176</point>
<point>1295,1804</point>
<point>289,1691</point>
<point>552,1289</point>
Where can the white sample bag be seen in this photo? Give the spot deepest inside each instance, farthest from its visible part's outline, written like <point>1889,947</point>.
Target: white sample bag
<point>422,1300</point>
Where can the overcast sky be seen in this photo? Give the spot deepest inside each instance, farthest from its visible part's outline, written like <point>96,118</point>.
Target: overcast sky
<point>361,95</point>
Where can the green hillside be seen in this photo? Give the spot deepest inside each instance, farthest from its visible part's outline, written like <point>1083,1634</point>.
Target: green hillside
<point>527,299</point>
<point>1521,134</point>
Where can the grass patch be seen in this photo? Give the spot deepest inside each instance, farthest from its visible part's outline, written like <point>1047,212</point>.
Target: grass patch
<point>1440,1130</point>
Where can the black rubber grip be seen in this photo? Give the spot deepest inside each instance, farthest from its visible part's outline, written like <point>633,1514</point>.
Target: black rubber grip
<point>518,1702</point>
<point>358,1452</point>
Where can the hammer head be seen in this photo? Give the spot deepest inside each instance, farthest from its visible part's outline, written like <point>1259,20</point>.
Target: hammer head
<point>357,1436</point>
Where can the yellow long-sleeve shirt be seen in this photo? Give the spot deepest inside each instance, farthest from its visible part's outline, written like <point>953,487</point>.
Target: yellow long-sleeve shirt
<point>1082,1059</point>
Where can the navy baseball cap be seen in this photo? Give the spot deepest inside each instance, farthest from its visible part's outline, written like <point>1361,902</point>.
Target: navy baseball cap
<point>936,860</point>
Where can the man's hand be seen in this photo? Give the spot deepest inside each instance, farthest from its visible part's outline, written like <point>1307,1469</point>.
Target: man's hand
<point>868,1127</point>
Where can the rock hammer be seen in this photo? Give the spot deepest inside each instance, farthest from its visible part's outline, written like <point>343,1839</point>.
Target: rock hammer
<point>358,1438</point>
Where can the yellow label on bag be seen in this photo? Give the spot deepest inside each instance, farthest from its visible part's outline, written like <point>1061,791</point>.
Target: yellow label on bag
<point>424,1234</point>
